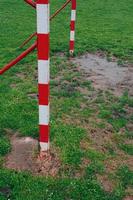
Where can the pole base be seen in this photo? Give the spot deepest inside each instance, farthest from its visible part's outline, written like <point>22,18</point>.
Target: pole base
<point>44,150</point>
<point>43,155</point>
<point>71,52</point>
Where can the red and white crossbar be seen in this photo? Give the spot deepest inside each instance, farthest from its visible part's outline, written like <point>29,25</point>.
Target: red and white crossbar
<point>18,59</point>
<point>42,44</point>
<point>72,26</point>
<point>42,7</point>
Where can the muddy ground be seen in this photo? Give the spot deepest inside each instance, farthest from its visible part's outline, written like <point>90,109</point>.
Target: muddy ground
<point>107,75</point>
<point>24,156</point>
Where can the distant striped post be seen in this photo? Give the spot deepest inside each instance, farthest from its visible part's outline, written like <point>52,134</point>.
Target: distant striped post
<point>72,26</point>
<point>42,7</point>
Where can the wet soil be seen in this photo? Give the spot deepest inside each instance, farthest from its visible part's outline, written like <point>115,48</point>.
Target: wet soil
<point>106,75</point>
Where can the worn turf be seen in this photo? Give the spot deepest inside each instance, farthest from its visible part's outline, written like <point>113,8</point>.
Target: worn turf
<point>91,129</point>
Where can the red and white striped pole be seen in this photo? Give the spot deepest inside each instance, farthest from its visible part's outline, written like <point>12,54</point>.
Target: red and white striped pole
<point>72,26</point>
<point>42,7</point>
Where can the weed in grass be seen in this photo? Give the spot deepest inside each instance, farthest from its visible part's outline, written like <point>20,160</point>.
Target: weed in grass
<point>94,155</point>
<point>104,113</point>
<point>127,148</point>
<point>129,134</point>
<point>87,84</point>
<point>119,192</point>
<point>86,112</point>
<point>118,109</point>
<point>96,167</point>
<point>125,175</point>
<point>125,99</point>
<point>101,125</point>
<point>111,149</point>
<point>118,123</point>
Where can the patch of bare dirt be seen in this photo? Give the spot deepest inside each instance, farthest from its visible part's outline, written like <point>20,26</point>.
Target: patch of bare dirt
<point>85,144</point>
<point>100,138</point>
<point>128,198</point>
<point>107,184</point>
<point>130,127</point>
<point>129,190</point>
<point>23,156</point>
<point>106,75</point>
<point>112,164</point>
<point>83,91</point>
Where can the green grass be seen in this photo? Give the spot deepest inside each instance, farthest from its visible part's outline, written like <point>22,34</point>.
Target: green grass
<point>101,25</point>
<point>128,148</point>
<point>125,175</point>
<point>4,144</point>
<point>23,186</point>
<point>94,168</point>
<point>68,139</point>
<point>114,110</point>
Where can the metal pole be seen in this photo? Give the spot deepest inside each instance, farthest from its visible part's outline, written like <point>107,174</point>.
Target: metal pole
<point>19,58</point>
<point>51,18</point>
<point>42,7</point>
<point>72,26</point>
<point>31,3</point>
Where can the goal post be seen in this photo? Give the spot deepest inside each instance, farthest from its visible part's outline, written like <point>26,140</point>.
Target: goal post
<point>43,43</point>
<point>72,26</point>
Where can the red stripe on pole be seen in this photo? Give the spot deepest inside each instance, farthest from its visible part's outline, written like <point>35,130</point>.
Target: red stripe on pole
<point>43,46</point>
<point>42,1</point>
<point>71,45</point>
<point>72,25</point>
<point>44,133</point>
<point>43,94</point>
<point>74,5</point>
<point>43,55</point>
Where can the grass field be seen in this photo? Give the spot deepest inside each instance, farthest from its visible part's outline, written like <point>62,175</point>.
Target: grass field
<point>101,25</point>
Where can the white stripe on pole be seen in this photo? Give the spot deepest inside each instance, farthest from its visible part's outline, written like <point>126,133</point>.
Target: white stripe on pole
<point>72,26</point>
<point>42,15</point>
<point>43,71</point>
<point>43,115</point>
<point>44,146</point>
<point>72,35</point>
<point>73,15</point>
